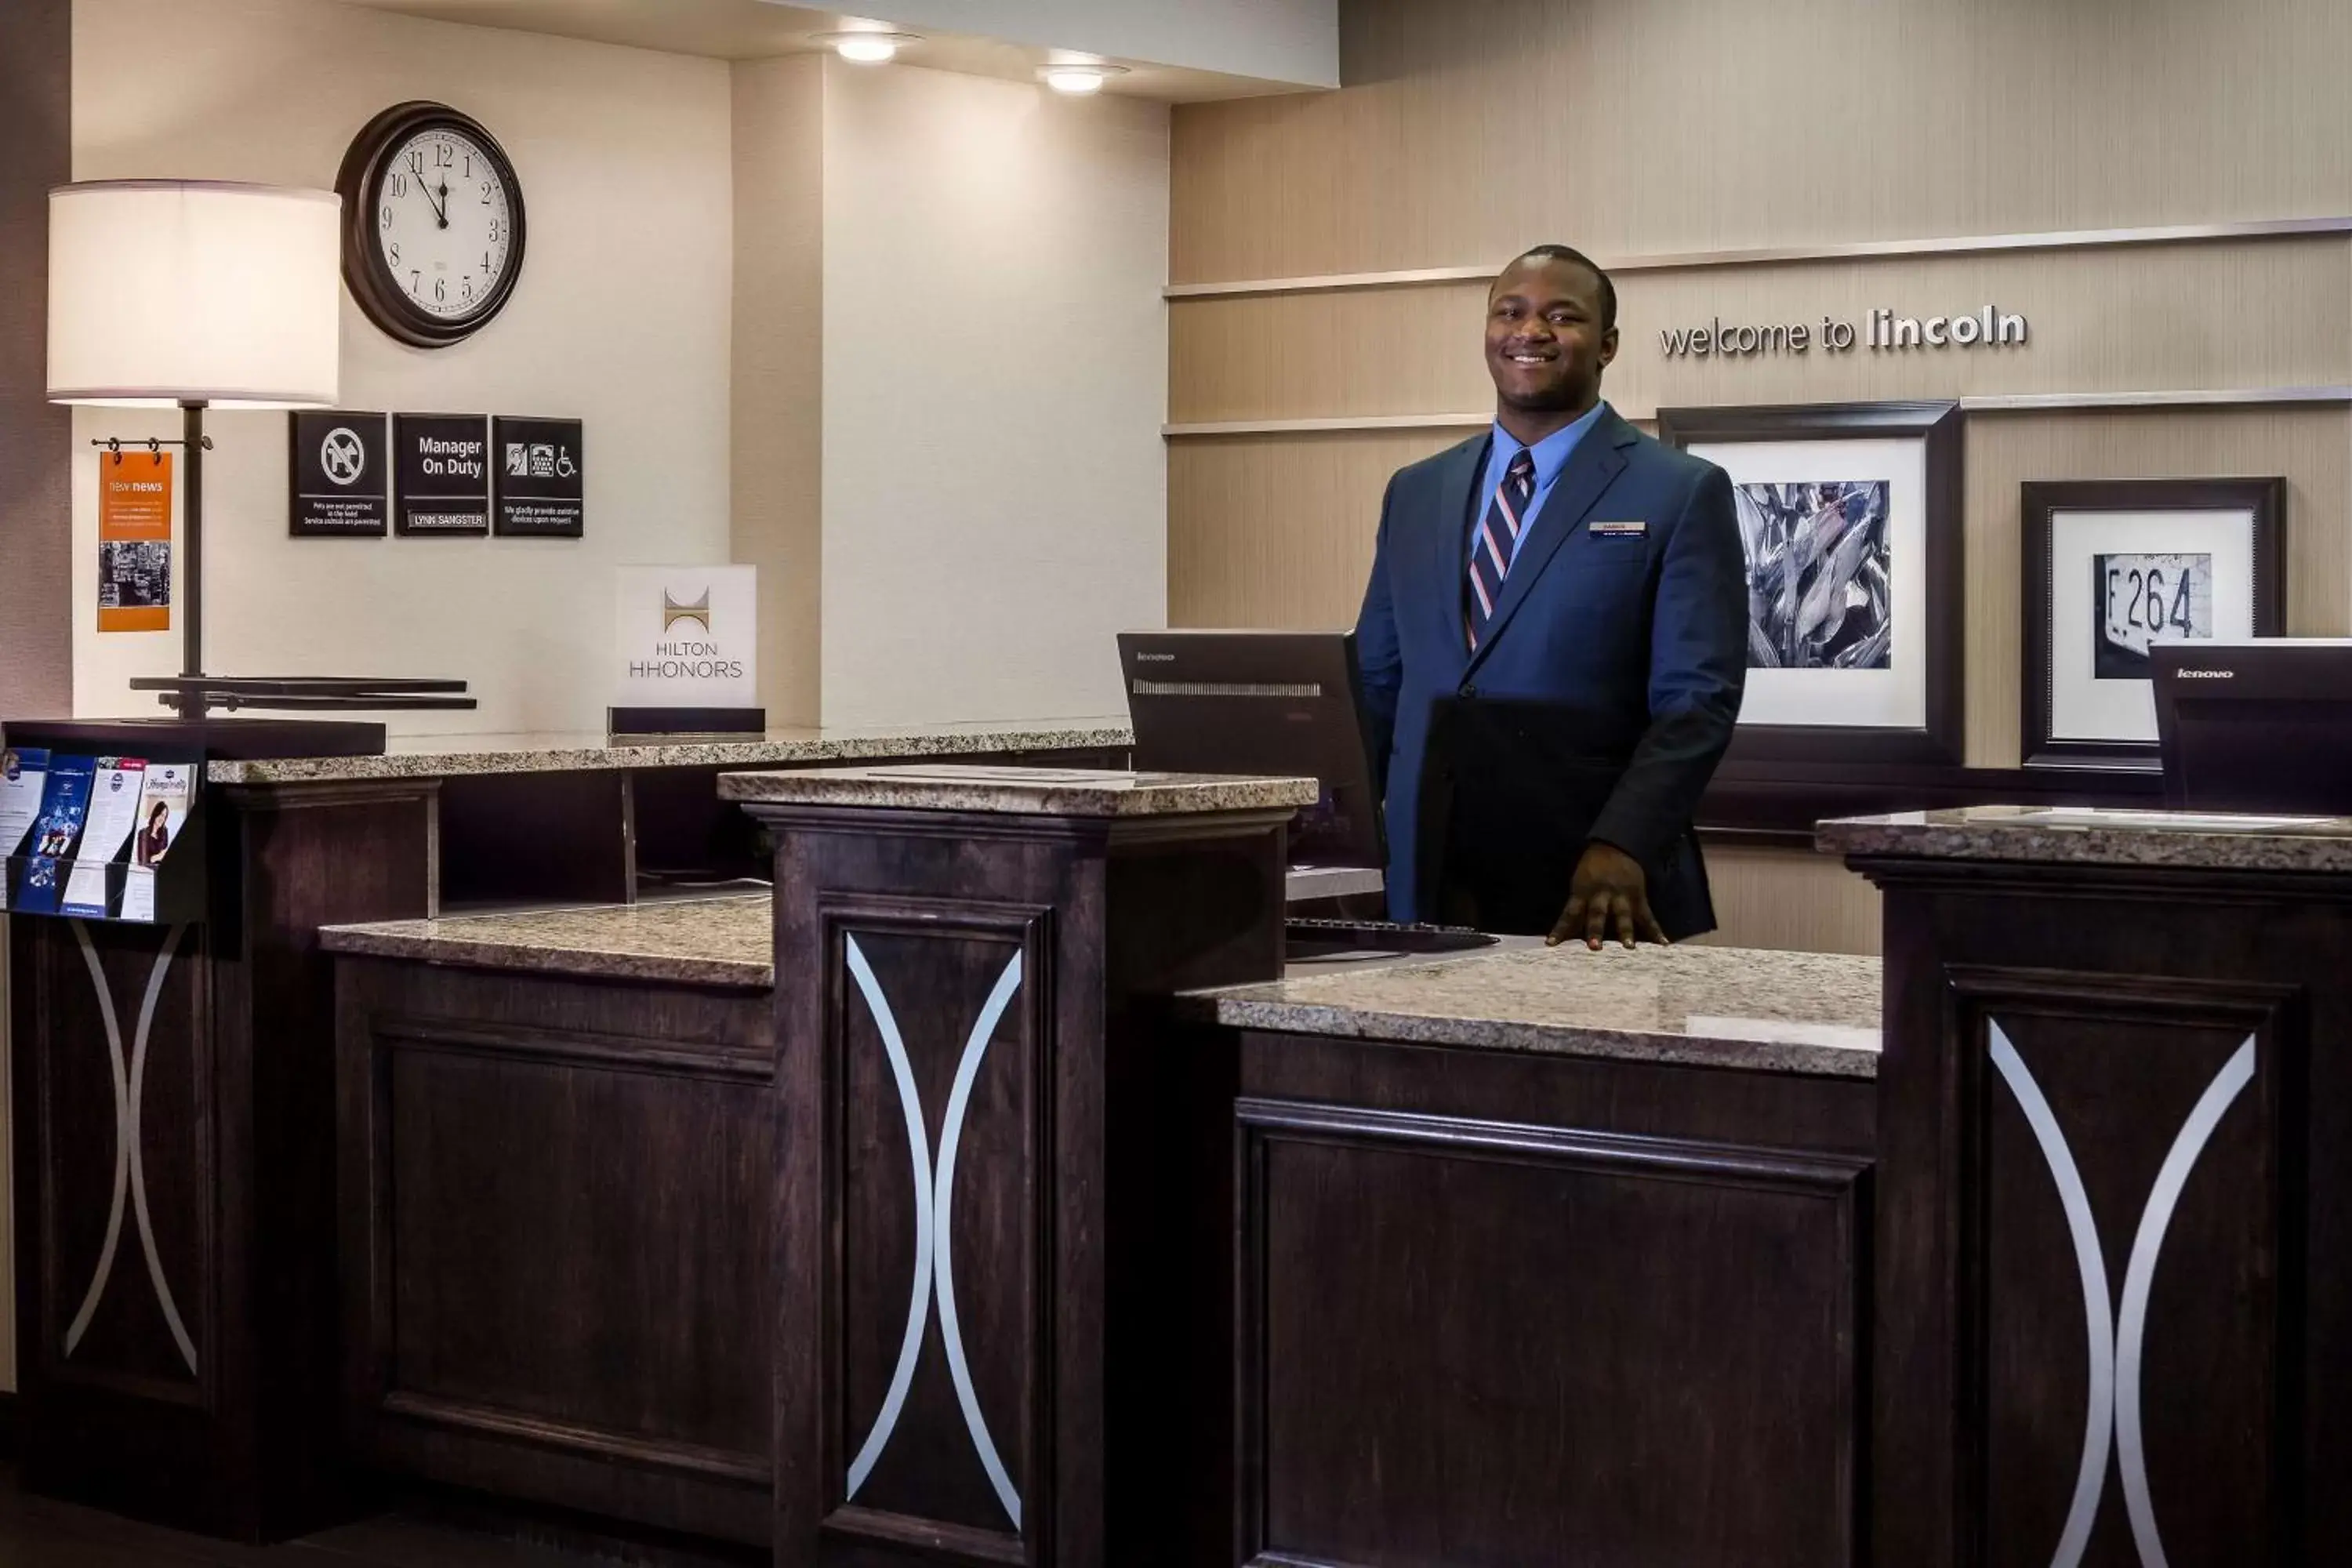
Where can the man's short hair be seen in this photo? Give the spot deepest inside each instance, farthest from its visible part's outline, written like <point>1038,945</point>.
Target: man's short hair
<point>1571,254</point>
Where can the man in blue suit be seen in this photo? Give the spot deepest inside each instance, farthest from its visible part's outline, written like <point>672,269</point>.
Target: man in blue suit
<point>1554,644</point>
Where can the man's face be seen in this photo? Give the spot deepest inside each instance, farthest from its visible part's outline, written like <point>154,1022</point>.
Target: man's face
<point>1545,345</point>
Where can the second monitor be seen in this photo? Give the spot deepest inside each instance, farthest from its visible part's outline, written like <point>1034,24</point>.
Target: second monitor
<point>1283,703</point>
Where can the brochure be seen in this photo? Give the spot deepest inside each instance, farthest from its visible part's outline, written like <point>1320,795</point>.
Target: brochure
<point>114,793</point>
<point>162,809</point>
<point>23,769</point>
<point>65,802</point>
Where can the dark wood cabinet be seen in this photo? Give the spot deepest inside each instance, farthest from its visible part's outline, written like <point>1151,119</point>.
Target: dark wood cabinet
<point>558,1264</point>
<point>2115,1271</point>
<point>1498,1307</point>
<point>980,1349</point>
<point>176,1231</point>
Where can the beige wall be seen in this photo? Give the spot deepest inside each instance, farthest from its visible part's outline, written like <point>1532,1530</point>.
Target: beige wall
<point>995,375</point>
<point>1638,130</point>
<point>621,319</point>
<point>778,332</point>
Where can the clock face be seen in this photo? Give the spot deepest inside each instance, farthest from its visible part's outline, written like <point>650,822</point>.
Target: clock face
<point>432,224</point>
<point>444,224</point>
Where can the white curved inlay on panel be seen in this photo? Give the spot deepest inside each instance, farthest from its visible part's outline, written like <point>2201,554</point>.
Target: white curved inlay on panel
<point>2116,1336</point>
<point>934,1193</point>
<point>130,1163</point>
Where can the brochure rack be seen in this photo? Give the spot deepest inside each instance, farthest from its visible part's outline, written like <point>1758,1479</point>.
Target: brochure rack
<point>154,868</point>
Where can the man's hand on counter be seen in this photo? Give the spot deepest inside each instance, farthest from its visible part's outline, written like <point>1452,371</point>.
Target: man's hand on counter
<point>1608,894</point>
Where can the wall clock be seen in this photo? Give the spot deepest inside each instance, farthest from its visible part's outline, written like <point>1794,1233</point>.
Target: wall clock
<point>432,224</point>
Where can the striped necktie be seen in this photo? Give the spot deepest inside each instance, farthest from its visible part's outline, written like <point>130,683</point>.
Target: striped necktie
<point>1497,541</point>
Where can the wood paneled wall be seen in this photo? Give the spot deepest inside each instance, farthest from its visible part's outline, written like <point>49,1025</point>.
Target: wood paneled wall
<point>1470,130</point>
<point>2311,446</point>
<point>1789,899</point>
<point>2208,316</point>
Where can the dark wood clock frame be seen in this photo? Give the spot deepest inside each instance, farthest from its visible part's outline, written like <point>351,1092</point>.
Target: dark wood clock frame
<point>360,183</point>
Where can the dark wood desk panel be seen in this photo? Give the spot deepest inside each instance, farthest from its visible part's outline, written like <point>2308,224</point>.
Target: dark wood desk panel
<point>1500,1307</point>
<point>558,1258</point>
<point>1018,958</point>
<point>199,1390</point>
<point>2118,1140</point>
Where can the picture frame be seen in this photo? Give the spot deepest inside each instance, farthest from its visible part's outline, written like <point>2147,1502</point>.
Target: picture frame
<point>2111,565</point>
<point>1855,625</point>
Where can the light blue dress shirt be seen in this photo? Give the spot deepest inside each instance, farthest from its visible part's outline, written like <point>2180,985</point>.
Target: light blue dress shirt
<point>1551,455</point>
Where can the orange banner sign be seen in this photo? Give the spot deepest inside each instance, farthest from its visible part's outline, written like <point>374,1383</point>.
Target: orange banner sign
<point>134,542</point>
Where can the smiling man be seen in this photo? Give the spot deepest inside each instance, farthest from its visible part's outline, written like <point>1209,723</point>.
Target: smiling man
<point>1554,644</point>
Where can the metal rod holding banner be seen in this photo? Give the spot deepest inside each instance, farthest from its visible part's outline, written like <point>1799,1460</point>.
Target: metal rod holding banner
<point>192,646</point>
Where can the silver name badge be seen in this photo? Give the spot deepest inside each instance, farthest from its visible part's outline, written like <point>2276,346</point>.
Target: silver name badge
<point>1617,529</point>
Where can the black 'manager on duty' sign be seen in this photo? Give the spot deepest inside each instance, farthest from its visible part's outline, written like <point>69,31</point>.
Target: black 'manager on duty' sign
<point>443,478</point>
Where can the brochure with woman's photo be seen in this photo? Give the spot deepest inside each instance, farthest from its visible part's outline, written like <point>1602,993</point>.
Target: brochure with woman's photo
<point>162,808</point>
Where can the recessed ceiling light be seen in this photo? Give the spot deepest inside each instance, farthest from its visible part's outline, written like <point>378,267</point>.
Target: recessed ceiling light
<point>1080,79</point>
<point>867,47</point>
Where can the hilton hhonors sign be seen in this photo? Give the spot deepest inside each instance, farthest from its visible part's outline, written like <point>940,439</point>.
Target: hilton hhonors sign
<point>686,637</point>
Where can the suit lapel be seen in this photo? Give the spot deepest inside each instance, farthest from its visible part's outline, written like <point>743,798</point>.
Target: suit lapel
<point>1599,458</point>
<point>1447,564</point>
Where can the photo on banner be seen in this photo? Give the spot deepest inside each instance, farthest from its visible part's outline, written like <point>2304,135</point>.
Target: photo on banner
<point>134,541</point>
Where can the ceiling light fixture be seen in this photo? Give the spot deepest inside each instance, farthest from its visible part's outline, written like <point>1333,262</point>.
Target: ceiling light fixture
<point>1078,78</point>
<point>864,46</point>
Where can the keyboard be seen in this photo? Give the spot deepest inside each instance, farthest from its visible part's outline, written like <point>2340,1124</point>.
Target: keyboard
<point>1322,938</point>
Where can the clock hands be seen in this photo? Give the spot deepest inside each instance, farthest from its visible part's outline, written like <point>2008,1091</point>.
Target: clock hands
<point>441,207</point>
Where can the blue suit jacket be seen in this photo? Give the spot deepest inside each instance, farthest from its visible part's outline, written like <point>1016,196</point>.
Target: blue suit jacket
<point>1626,650</point>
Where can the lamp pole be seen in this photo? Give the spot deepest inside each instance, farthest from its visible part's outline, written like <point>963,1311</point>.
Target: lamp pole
<point>193,706</point>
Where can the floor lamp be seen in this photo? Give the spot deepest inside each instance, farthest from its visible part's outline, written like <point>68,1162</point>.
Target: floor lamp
<point>201,294</point>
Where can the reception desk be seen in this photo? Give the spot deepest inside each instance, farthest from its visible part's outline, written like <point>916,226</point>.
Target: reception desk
<point>178,1298</point>
<point>2114,1263</point>
<point>1533,1243</point>
<point>992,1193</point>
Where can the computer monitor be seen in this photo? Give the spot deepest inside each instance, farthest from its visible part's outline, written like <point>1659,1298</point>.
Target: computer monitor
<point>2260,726</point>
<point>1284,703</point>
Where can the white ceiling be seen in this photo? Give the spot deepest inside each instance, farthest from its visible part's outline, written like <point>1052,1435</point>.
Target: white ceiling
<point>761,29</point>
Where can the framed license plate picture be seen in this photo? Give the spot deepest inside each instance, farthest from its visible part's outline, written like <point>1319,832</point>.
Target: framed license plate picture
<point>2114,566</point>
<point>1850,522</point>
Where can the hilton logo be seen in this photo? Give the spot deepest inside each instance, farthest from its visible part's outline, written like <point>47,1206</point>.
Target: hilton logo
<point>2208,675</point>
<point>702,649</point>
<point>685,660</point>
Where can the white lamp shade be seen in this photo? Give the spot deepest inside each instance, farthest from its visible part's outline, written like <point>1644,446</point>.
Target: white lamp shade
<point>164,291</point>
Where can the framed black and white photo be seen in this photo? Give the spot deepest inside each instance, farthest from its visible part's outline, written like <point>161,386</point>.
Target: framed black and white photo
<point>2114,566</point>
<point>1849,518</point>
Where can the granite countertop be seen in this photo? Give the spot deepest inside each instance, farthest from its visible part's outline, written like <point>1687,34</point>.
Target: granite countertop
<point>1806,1012</point>
<point>453,756</point>
<point>2079,836</point>
<point>691,941</point>
<point>1039,792</point>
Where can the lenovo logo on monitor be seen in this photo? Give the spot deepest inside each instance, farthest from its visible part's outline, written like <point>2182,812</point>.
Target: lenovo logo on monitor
<point>2208,675</point>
